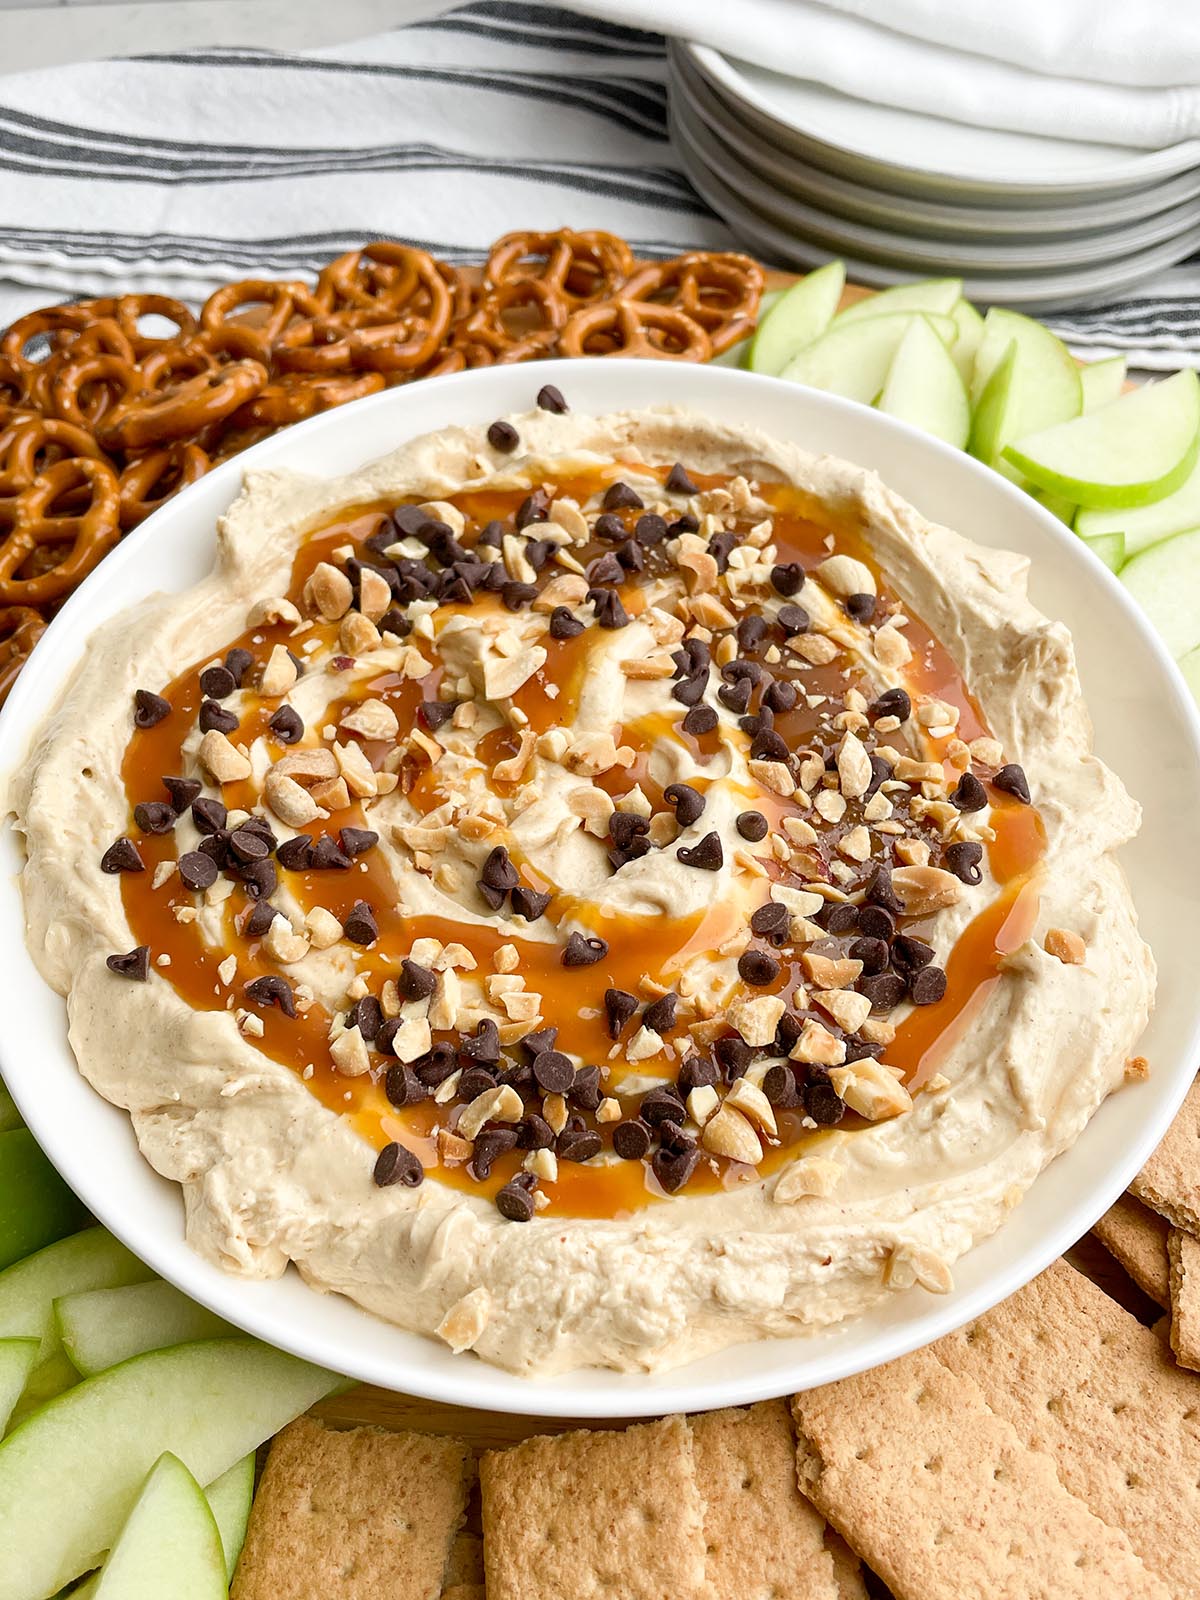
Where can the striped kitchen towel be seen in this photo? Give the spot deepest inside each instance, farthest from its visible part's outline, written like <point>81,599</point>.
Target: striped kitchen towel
<point>175,172</point>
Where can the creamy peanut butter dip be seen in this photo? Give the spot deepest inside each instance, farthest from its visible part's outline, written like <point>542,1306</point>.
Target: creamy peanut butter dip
<point>595,889</point>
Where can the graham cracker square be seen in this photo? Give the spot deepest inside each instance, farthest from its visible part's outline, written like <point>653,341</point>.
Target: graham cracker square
<point>1184,1254</point>
<point>1137,1237</point>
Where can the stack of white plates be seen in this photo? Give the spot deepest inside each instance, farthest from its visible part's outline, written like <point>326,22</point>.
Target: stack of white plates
<point>803,174</point>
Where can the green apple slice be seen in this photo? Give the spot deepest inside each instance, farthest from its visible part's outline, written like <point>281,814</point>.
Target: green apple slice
<point>1165,581</point>
<point>799,316</point>
<point>853,358</point>
<point>1189,665</point>
<point>1138,449</point>
<point>1102,382</point>
<point>923,386</point>
<point>69,1475</point>
<point>1109,548</point>
<point>1055,505</point>
<point>231,1496</point>
<point>36,1207</point>
<point>16,1363</point>
<point>939,295</point>
<point>101,1327</point>
<point>10,1117</point>
<point>1149,524</point>
<point>170,1547</point>
<point>1034,387</point>
<point>970,335</point>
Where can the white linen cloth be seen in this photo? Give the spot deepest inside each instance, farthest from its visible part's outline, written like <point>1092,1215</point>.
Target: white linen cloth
<point>1103,71</point>
<point>177,172</point>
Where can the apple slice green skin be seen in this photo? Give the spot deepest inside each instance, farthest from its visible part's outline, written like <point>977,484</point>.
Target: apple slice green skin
<point>800,315</point>
<point>970,336</point>
<point>853,358</point>
<point>101,1327</point>
<point>1109,548</point>
<point>1102,382</point>
<point>1147,525</point>
<point>16,1363</point>
<point>923,386</point>
<point>69,1475</point>
<point>36,1207</point>
<point>1024,380</point>
<point>1165,581</point>
<point>1138,449</point>
<point>89,1260</point>
<point>10,1117</point>
<point>170,1547</point>
<point>938,295</point>
<point>231,1496</point>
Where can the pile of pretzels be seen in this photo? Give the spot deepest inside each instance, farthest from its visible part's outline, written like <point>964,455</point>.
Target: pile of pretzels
<point>102,420</point>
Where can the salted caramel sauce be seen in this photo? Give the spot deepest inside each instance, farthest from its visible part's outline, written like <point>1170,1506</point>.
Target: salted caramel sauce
<point>644,956</point>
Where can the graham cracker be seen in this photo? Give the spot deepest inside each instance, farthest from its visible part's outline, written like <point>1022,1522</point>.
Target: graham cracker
<point>1184,1253</point>
<point>943,1500</point>
<point>761,1536</point>
<point>1170,1180</point>
<point>1085,1382</point>
<point>610,1516</point>
<point>1137,1237</point>
<point>847,1568</point>
<point>353,1515</point>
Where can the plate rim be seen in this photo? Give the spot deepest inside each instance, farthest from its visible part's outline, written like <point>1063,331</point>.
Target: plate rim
<point>466,1380</point>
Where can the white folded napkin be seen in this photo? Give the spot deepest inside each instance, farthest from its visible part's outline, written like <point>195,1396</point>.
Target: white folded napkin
<point>954,62</point>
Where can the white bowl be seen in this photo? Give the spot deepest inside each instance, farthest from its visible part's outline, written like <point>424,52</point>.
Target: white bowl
<point>1146,727</point>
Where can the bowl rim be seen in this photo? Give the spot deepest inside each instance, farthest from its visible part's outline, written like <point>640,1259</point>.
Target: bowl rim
<point>467,1380</point>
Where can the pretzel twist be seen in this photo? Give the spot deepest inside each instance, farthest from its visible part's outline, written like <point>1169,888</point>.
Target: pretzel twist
<point>634,328</point>
<point>39,528</point>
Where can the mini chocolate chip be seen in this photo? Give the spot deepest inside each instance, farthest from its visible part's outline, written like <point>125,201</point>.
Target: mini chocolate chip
<point>751,631</point>
<point>873,953</point>
<point>620,497</point>
<point>503,436</point>
<point>678,481</point>
<point>585,1091</point>
<point>249,845</point>
<point>539,551</point>
<point>396,1163</point>
<point>217,682</point>
<point>861,1050</point>
<point>498,871</point>
<point>1011,779</point>
<point>779,1086</point>
<point>606,603</point>
<point>296,854</point>
<point>690,691</point>
<point>880,892</point>
<point>881,771</point>
<point>197,870</point>
<point>484,1043</point>
<point>661,1103</point>
<point>733,1054</point>
<point>155,816</point>
<point>149,709</point>
<point>183,792</point>
<point>963,860</point>
<point>794,620</point>
<point>541,1039</point>
<point>360,926</point>
<point>134,964</point>
<point>534,508</point>
<point>891,703</point>
<point>415,982</point>
<point>672,1136</point>
<point>720,547</point>
<point>605,569</point>
<point>357,841</point>
<point>553,1071</point>
<point>873,922</point>
<point>433,713</point>
<point>550,399</point>
<point>328,856</point>
<point>490,1144</point>
<point>366,1014</point>
<point>238,662</point>
<point>820,1099</point>
<point>700,720</point>
<point>619,1007</point>
<point>968,793</point>
<point>859,607</point>
<point>911,954</point>
<point>767,745</point>
<point>287,725</point>
<point>787,1033</point>
<point>659,1016</point>
<point>528,903</point>
<point>609,526</point>
<point>758,968</point>
<point>534,1133</point>
<point>685,522</point>
<point>493,897</point>
<point>751,825</point>
<point>884,990</point>
<point>631,1139</point>
<point>260,878</point>
<point>780,696</point>
<point>650,529</point>
<point>578,1144</point>
<point>475,1081</point>
<point>515,1201</point>
<point>564,624</point>
<point>771,921</point>
<point>214,718</point>
<point>625,826</point>
<point>580,951</point>
<point>216,845</point>
<point>514,596</point>
<point>708,855</point>
<point>688,803</point>
<point>736,696</point>
<point>272,990</point>
<point>262,915</point>
<point>122,856</point>
<point>787,578</point>
<point>438,1063</point>
<point>927,986</point>
<point>697,1072</point>
<point>673,1168</point>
